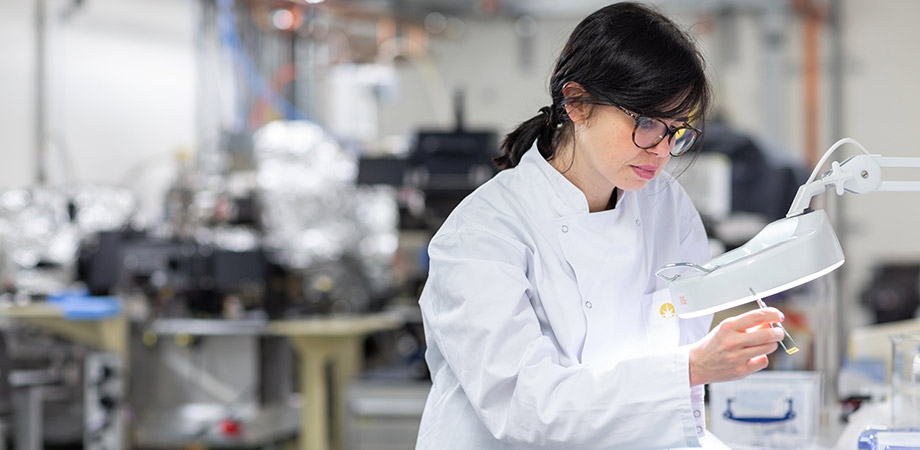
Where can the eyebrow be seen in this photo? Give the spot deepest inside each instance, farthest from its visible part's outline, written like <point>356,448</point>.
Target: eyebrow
<point>685,117</point>
<point>679,121</point>
<point>682,119</point>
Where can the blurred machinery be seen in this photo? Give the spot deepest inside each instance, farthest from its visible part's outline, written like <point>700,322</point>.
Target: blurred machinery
<point>440,170</point>
<point>41,389</point>
<point>294,236</point>
<point>893,294</point>
<point>302,238</point>
<point>179,277</point>
<point>738,184</point>
<point>266,222</point>
<point>104,404</point>
<point>41,229</point>
<point>220,383</point>
<point>764,179</point>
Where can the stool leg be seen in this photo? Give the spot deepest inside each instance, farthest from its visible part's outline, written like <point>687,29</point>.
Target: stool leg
<point>4,431</point>
<point>347,366</point>
<point>29,418</point>
<point>314,427</point>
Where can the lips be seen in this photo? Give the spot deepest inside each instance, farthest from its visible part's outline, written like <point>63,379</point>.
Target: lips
<point>645,172</point>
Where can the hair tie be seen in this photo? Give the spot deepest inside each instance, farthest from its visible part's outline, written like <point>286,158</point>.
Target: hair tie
<point>554,116</point>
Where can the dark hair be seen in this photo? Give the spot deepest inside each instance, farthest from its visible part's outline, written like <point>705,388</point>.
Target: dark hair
<point>625,54</point>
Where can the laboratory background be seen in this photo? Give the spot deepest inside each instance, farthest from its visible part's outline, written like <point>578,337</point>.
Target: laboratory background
<point>214,214</point>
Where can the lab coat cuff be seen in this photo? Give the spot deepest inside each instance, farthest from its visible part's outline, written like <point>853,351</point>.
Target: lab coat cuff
<point>692,414</point>
<point>699,413</point>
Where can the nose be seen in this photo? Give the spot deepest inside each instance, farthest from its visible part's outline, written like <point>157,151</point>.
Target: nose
<point>662,149</point>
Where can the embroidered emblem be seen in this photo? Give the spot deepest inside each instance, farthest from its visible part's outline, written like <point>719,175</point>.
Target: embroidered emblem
<point>666,311</point>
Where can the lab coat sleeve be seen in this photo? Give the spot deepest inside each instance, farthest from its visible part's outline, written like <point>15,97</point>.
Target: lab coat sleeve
<point>477,306</point>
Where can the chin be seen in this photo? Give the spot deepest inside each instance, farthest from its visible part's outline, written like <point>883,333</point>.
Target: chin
<point>633,185</point>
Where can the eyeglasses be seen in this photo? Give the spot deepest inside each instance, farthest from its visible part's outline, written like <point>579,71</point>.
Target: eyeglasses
<point>649,132</point>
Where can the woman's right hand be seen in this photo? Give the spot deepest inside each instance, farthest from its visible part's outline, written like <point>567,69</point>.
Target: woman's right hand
<point>735,348</point>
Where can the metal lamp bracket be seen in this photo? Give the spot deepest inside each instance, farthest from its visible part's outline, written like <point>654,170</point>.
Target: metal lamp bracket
<point>860,174</point>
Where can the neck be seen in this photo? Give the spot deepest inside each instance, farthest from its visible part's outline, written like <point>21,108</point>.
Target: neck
<point>600,196</point>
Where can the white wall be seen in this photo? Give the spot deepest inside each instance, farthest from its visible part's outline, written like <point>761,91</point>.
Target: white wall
<point>16,110</point>
<point>121,97</point>
<point>485,60</point>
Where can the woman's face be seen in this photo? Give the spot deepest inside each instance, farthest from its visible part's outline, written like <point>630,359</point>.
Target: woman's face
<point>607,157</point>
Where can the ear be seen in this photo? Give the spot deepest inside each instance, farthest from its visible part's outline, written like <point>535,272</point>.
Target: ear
<point>576,110</point>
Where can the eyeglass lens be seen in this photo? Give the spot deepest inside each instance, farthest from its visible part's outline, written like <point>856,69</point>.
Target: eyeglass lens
<point>649,132</point>
<point>684,138</point>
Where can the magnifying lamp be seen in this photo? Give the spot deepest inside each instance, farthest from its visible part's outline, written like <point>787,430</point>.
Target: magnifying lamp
<point>788,252</point>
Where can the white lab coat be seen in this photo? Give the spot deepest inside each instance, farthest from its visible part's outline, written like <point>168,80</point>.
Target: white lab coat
<point>546,326</point>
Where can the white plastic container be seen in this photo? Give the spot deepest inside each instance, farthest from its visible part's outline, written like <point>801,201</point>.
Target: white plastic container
<point>774,409</point>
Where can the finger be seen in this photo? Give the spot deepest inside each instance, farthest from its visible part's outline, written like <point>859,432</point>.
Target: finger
<point>761,336</point>
<point>757,363</point>
<point>758,327</point>
<point>738,341</point>
<point>759,350</point>
<point>756,317</point>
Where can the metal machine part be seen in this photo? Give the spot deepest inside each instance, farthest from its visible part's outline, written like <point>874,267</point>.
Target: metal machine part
<point>41,229</point>
<point>180,278</point>
<point>313,214</point>
<point>103,402</point>
<point>38,240</point>
<point>385,415</point>
<point>442,168</point>
<point>215,383</point>
<point>447,166</point>
<point>187,279</point>
<point>41,389</point>
<point>893,294</point>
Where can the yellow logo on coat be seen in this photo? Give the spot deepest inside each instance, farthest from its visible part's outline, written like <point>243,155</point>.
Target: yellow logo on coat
<point>666,311</point>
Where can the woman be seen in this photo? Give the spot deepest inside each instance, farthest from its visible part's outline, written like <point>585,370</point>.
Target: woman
<point>546,326</point>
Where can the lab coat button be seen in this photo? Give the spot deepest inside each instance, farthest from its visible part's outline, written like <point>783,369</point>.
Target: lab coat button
<point>699,430</point>
<point>638,223</point>
<point>696,413</point>
<point>588,305</point>
<point>565,229</point>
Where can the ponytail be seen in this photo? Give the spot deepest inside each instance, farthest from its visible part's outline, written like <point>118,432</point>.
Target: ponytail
<point>541,128</point>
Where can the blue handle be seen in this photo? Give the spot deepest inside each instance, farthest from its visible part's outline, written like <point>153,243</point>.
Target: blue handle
<point>790,414</point>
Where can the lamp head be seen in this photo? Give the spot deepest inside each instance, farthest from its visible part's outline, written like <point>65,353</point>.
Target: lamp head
<point>786,253</point>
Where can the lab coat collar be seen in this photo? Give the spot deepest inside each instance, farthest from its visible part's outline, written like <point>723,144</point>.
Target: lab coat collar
<point>571,200</point>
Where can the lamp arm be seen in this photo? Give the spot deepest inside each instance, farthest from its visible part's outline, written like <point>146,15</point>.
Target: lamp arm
<point>860,174</point>
<point>899,186</point>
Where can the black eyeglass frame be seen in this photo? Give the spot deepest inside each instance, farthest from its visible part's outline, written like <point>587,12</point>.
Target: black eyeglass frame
<point>669,134</point>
